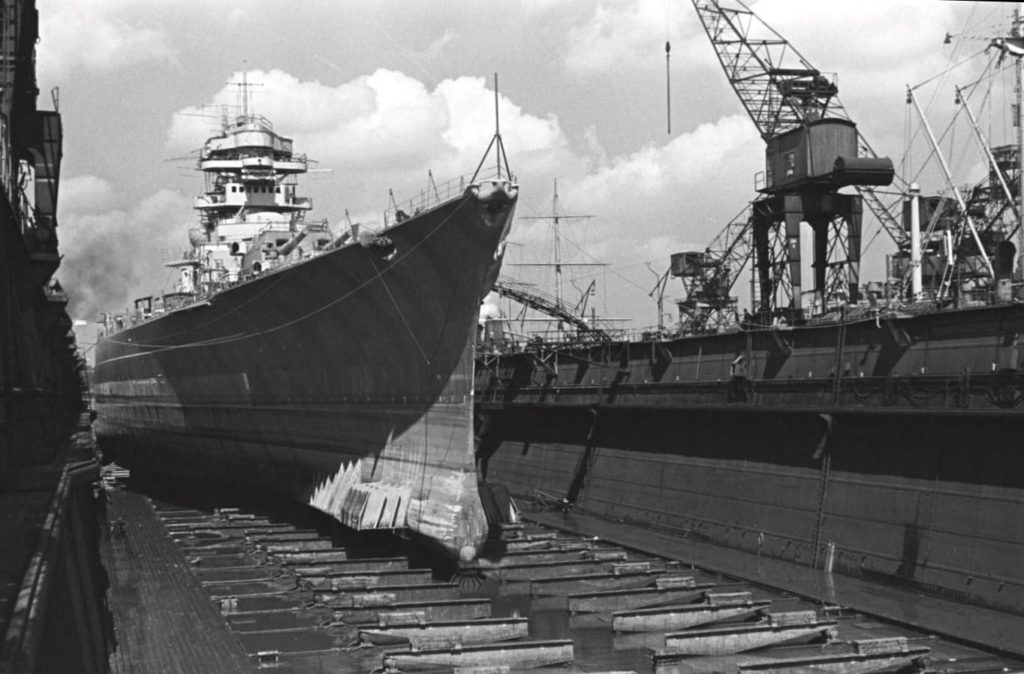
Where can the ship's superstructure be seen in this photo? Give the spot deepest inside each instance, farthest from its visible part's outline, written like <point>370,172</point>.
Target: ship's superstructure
<point>252,219</point>
<point>335,369</point>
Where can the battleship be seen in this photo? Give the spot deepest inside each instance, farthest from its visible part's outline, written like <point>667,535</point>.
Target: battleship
<point>870,429</point>
<point>335,369</point>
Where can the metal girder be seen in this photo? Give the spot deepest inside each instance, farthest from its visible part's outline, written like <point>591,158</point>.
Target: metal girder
<point>549,306</point>
<point>708,303</point>
<point>778,87</point>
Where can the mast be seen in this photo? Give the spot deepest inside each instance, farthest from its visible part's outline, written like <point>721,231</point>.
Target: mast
<point>556,219</point>
<point>558,246</point>
<point>1019,122</point>
<point>956,192</point>
<point>497,124</point>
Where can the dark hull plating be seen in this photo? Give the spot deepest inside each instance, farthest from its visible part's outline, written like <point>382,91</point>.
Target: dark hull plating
<point>344,381</point>
<point>897,440</point>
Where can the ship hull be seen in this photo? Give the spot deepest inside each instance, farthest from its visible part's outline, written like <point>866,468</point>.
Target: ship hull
<point>905,468</point>
<point>344,381</point>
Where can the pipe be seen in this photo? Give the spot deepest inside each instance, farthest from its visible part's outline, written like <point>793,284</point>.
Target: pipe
<point>915,242</point>
<point>287,248</point>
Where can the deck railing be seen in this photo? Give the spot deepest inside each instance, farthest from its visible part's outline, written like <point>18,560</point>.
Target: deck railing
<point>434,194</point>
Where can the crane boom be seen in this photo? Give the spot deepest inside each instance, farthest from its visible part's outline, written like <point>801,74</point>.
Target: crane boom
<point>778,87</point>
<point>548,305</point>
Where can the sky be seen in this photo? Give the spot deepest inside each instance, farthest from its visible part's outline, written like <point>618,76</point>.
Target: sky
<point>379,93</point>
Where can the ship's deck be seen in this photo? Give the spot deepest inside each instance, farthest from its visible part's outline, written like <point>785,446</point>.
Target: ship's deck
<point>963,622</point>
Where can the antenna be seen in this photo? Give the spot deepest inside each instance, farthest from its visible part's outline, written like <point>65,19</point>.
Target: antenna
<point>668,80</point>
<point>668,88</point>
<point>244,91</point>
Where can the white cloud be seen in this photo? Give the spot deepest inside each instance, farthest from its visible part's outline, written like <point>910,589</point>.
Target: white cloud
<point>470,106</point>
<point>687,160</point>
<point>615,37</point>
<point>386,126</point>
<point>883,57</point>
<point>99,35</point>
<point>633,34</point>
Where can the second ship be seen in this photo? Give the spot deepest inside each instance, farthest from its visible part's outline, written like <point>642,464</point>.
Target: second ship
<point>335,369</point>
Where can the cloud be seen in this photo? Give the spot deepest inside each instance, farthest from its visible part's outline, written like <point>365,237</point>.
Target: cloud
<point>379,130</point>
<point>687,160</point>
<point>615,37</point>
<point>438,46</point>
<point>633,35</point>
<point>647,204</point>
<point>99,35</point>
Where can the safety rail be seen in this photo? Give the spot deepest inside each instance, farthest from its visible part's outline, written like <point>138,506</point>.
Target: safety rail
<point>435,194</point>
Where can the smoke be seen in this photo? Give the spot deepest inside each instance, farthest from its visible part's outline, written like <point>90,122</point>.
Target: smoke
<point>114,255</point>
<point>489,308</point>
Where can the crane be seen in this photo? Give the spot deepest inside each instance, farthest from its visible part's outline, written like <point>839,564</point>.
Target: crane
<point>708,276</point>
<point>551,306</point>
<point>813,149</point>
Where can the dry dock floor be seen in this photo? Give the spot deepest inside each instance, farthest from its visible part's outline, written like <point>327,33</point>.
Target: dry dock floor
<point>164,622</point>
<point>961,622</point>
